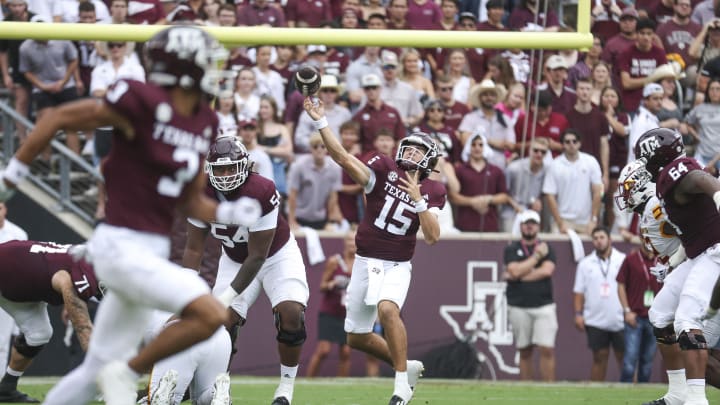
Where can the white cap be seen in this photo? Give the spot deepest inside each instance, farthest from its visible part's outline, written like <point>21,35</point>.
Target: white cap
<point>370,80</point>
<point>556,62</point>
<point>529,215</point>
<point>329,81</point>
<point>316,48</point>
<point>652,88</point>
<point>389,58</point>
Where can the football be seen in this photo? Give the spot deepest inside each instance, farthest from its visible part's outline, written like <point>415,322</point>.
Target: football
<point>307,81</point>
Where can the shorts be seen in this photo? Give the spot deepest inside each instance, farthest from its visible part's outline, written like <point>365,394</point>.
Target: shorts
<point>282,276</point>
<point>45,100</point>
<point>20,80</point>
<point>330,328</point>
<point>394,287</point>
<point>102,142</point>
<point>602,339</point>
<point>533,326</point>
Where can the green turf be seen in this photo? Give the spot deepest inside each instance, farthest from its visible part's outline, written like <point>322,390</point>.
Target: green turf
<point>372,391</point>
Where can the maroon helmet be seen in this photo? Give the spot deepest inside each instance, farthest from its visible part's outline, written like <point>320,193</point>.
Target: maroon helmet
<point>430,154</point>
<point>187,57</point>
<point>227,164</point>
<point>659,147</point>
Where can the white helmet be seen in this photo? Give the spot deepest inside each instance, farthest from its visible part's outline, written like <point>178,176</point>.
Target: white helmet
<point>635,186</point>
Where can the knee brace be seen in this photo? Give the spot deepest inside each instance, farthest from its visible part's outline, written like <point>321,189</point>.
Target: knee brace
<point>294,337</point>
<point>666,335</point>
<point>689,340</point>
<point>23,348</point>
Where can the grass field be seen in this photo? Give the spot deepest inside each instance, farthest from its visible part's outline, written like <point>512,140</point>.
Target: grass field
<point>376,391</point>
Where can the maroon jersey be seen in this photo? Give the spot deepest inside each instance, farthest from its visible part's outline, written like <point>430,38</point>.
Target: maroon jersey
<point>235,238</point>
<point>146,175</point>
<point>698,220</point>
<point>331,302</point>
<point>389,225</point>
<point>29,266</point>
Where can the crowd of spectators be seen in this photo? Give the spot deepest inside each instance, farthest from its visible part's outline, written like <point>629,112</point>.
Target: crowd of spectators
<point>519,129</point>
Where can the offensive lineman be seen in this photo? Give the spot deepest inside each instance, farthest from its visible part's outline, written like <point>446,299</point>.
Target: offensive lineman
<point>264,252</point>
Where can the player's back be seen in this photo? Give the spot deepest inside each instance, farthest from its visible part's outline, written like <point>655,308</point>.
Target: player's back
<point>698,221</point>
<point>389,227</point>
<point>147,174</point>
<point>653,226</point>
<point>234,238</point>
<point>28,268</point>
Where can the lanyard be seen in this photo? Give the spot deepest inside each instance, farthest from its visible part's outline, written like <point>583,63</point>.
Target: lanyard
<point>606,270</point>
<point>646,272</point>
<point>525,249</point>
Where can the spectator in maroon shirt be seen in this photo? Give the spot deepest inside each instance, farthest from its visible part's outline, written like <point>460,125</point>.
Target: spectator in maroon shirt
<point>624,39</point>
<point>307,13</point>
<point>397,13</point>
<point>448,14</point>
<point>583,68</point>
<point>605,16</point>
<point>548,124</point>
<point>593,125</point>
<point>260,12</point>
<point>476,57</point>
<point>556,73</point>
<point>495,14</point>
<point>482,190</point>
<point>529,16</point>
<point>423,14</point>
<point>454,111</point>
<point>151,13</point>
<point>434,125</point>
<point>637,62</point>
<point>376,115</point>
<point>677,34</point>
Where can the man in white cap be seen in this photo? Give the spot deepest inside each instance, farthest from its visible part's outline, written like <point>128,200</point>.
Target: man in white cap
<point>646,118</point>
<point>335,113</point>
<point>529,265</point>
<point>376,114</point>
<point>397,93</point>
<point>556,73</point>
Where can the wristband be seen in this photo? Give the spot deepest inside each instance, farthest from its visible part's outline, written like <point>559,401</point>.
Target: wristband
<point>16,171</point>
<point>227,296</point>
<point>224,212</point>
<point>421,206</point>
<point>321,123</point>
<point>627,310</point>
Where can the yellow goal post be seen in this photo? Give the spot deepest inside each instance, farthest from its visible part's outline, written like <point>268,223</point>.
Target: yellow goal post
<point>330,37</point>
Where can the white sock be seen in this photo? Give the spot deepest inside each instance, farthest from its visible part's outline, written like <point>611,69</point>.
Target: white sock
<point>677,387</point>
<point>696,389</point>
<point>401,384</point>
<point>287,382</point>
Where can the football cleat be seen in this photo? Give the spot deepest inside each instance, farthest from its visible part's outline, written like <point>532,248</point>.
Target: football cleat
<point>280,401</point>
<point>17,397</point>
<point>165,392</point>
<point>660,401</point>
<point>415,370</point>
<point>221,390</point>
<point>396,400</point>
<point>118,383</point>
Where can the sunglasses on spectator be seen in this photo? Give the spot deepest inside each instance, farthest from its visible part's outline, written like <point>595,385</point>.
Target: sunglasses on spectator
<point>573,141</point>
<point>445,88</point>
<point>329,90</point>
<point>372,87</point>
<point>112,45</point>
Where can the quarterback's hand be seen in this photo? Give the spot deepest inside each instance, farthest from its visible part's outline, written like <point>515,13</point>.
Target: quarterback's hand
<point>660,271</point>
<point>246,211</point>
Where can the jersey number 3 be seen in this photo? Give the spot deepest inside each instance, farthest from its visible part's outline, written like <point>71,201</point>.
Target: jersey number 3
<point>172,186</point>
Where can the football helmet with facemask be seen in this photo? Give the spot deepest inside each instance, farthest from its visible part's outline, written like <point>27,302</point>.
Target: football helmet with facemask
<point>635,186</point>
<point>227,164</point>
<point>187,57</point>
<point>659,147</point>
<point>423,145</point>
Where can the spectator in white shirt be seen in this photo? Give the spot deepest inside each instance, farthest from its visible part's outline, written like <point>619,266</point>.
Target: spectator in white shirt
<point>645,119</point>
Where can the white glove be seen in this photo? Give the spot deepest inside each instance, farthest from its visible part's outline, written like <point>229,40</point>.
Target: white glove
<point>244,211</point>
<point>659,271</point>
